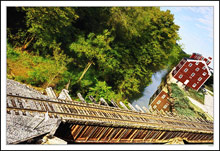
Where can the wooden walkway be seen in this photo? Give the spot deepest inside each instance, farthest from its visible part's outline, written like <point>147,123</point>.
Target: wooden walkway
<point>96,123</point>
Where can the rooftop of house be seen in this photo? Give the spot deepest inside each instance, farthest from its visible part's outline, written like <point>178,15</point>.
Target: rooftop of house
<point>22,127</point>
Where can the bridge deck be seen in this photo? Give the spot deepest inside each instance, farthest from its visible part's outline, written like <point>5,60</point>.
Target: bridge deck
<point>87,121</point>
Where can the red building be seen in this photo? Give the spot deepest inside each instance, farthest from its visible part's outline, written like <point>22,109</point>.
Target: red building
<point>160,99</point>
<point>193,72</point>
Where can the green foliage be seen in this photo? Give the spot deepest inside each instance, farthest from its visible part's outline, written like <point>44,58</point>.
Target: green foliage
<point>95,49</point>
<point>176,91</point>
<point>101,90</point>
<point>197,95</point>
<point>40,70</point>
<point>183,105</point>
<point>38,75</point>
<point>11,54</point>
<point>125,45</point>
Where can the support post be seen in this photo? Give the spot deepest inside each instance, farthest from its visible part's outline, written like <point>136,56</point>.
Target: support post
<point>81,98</point>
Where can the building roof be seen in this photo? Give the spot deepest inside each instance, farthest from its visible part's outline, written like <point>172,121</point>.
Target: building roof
<point>197,54</point>
<point>194,60</point>
<point>16,88</point>
<point>21,127</point>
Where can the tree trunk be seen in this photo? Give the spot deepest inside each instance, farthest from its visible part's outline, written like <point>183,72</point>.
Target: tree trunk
<point>27,44</point>
<point>85,70</point>
<point>68,84</point>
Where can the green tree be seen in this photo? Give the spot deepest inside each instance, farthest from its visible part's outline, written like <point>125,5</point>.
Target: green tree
<point>122,46</point>
<point>49,27</point>
<point>101,90</point>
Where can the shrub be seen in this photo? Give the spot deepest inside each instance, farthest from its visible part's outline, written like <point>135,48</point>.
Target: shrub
<point>101,90</point>
<point>11,53</point>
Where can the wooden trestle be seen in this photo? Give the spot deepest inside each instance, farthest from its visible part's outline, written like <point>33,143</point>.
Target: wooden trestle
<point>94,123</point>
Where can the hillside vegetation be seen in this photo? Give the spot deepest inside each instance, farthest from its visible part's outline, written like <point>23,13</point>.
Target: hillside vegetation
<point>108,52</point>
<point>183,106</point>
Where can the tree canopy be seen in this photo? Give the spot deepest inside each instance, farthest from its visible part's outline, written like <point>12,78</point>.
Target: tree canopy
<point>116,49</point>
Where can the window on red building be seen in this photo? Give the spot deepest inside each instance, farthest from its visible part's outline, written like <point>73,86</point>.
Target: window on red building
<point>155,106</point>
<point>163,96</point>
<point>180,76</point>
<point>193,74</point>
<point>207,61</point>
<point>204,73</point>
<point>194,85</point>
<point>199,79</point>
<point>165,106</point>
<point>197,69</point>
<point>197,63</point>
<point>186,69</point>
<point>203,68</point>
<point>190,65</point>
<point>158,102</point>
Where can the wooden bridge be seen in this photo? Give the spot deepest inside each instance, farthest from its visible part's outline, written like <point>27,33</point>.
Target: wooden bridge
<point>82,122</point>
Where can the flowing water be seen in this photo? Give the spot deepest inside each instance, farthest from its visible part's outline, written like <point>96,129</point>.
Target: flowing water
<point>143,99</point>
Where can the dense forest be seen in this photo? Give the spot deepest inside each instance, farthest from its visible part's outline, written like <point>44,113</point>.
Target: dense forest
<point>108,52</point>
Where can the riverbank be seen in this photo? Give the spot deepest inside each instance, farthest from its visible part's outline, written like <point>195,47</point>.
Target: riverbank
<point>144,98</point>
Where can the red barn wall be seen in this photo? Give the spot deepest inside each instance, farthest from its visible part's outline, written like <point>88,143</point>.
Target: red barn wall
<point>162,103</point>
<point>194,79</point>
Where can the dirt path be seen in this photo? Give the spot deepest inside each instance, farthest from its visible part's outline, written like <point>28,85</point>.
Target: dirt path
<point>207,106</point>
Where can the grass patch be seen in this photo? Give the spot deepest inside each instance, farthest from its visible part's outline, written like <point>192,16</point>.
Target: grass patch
<point>29,68</point>
<point>198,96</point>
<point>200,111</point>
<point>183,105</point>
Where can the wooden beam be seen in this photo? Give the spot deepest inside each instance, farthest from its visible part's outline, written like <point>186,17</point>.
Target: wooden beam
<point>103,101</point>
<point>82,128</point>
<point>81,98</point>
<point>93,99</point>
<point>106,128</point>
<point>135,135</point>
<point>161,135</point>
<point>113,133</point>
<point>123,105</point>
<point>131,107</point>
<point>93,130</point>
<point>123,133</point>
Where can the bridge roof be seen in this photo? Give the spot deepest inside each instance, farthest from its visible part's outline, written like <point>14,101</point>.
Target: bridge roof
<point>20,127</point>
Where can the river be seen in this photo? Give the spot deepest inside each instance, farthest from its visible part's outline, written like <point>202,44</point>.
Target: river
<point>144,97</point>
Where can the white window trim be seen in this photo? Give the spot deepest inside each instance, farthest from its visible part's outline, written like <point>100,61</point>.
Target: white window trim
<point>197,68</point>
<point>158,102</point>
<point>193,74</point>
<point>165,106</point>
<point>200,78</point>
<point>190,65</point>
<point>186,69</point>
<point>180,76</point>
<point>204,73</point>
<point>163,96</point>
<point>155,106</point>
<point>203,67</point>
<point>194,85</point>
